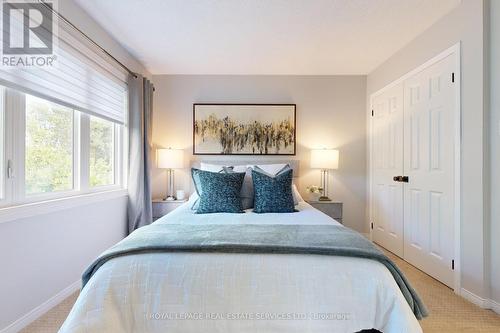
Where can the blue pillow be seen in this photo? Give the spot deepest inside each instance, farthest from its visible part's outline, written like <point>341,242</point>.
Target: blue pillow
<point>273,194</point>
<point>197,184</point>
<point>219,192</point>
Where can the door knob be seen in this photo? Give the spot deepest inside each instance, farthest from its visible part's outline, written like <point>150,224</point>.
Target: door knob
<point>405,179</point>
<point>397,178</point>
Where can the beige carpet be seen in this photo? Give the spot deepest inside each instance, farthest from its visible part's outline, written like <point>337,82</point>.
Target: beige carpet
<point>449,313</point>
<point>52,320</point>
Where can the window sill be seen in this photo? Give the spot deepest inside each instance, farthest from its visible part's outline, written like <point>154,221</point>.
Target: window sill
<point>45,207</point>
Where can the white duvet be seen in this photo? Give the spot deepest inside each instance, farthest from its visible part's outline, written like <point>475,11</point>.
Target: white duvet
<point>233,293</point>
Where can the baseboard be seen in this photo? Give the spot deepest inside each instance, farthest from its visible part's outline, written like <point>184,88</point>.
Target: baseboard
<point>473,298</point>
<point>483,303</point>
<point>40,310</point>
<point>495,306</point>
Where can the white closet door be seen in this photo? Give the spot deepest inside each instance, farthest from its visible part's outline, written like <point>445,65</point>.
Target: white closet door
<point>429,164</point>
<point>387,159</point>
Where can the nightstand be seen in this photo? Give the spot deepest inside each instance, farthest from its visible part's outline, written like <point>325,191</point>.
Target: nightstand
<point>330,208</point>
<point>163,207</point>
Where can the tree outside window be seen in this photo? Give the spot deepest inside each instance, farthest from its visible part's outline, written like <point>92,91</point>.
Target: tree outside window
<point>101,152</point>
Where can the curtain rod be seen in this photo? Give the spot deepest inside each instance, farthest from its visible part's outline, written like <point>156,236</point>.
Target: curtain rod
<point>88,38</point>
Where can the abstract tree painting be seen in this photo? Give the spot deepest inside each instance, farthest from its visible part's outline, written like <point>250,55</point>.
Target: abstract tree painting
<point>244,129</point>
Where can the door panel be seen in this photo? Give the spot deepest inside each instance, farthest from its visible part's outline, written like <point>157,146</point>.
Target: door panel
<point>387,156</point>
<point>429,164</point>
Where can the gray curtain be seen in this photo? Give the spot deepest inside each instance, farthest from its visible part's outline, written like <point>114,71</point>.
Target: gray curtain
<point>139,210</point>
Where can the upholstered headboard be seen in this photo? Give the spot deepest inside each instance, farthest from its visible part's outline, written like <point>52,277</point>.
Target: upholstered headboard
<point>294,164</point>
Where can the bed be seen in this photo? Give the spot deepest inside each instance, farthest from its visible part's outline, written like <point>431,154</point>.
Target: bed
<point>241,292</point>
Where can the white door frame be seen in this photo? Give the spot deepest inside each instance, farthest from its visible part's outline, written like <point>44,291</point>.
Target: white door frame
<point>455,51</point>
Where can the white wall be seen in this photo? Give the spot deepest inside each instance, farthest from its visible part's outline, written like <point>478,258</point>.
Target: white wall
<point>330,113</point>
<point>41,256</point>
<point>495,148</point>
<point>464,24</point>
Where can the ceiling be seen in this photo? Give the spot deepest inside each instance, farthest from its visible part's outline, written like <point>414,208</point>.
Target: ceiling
<point>288,37</point>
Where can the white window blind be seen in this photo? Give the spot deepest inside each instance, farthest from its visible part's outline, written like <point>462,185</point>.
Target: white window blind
<point>81,76</point>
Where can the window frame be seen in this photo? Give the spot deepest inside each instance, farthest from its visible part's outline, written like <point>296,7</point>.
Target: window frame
<point>14,124</point>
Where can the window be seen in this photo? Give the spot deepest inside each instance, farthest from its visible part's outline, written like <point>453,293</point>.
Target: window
<point>61,122</point>
<point>102,145</point>
<point>49,150</point>
<point>48,147</point>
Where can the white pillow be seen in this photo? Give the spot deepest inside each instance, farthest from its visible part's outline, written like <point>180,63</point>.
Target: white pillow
<point>210,167</point>
<point>296,195</point>
<point>218,167</point>
<point>193,200</point>
<point>271,169</point>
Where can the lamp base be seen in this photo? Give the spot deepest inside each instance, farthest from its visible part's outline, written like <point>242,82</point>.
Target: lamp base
<point>169,198</point>
<point>323,198</point>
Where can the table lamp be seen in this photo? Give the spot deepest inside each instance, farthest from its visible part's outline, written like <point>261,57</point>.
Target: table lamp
<point>170,159</point>
<point>324,159</point>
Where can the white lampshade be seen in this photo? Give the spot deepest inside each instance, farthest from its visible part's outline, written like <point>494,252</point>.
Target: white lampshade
<point>324,159</point>
<point>170,158</point>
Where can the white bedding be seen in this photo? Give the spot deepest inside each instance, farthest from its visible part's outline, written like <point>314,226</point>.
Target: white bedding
<point>223,292</point>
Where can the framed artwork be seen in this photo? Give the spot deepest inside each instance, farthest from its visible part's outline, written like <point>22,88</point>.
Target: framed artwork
<point>244,129</point>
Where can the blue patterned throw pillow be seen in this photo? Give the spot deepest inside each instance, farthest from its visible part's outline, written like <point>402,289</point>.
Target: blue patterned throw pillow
<point>197,185</point>
<point>219,192</point>
<point>273,194</point>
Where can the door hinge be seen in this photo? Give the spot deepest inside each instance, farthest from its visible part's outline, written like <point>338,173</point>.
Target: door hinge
<point>372,113</point>
<point>452,77</point>
<point>371,225</point>
<point>452,264</point>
